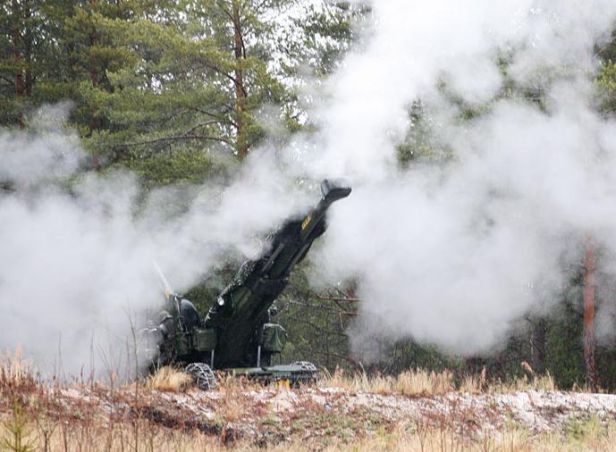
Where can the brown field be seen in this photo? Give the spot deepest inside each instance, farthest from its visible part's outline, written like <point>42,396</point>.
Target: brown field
<point>418,410</point>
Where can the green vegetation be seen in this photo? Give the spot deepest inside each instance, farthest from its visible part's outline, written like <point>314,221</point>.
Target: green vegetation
<point>150,77</point>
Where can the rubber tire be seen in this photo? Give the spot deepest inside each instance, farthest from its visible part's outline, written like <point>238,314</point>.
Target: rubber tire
<point>203,376</point>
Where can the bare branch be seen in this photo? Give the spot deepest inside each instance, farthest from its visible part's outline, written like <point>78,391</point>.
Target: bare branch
<point>8,80</point>
<point>338,299</point>
<point>220,118</point>
<point>225,74</point>
<point>203,124</point>
<point>187,137</point>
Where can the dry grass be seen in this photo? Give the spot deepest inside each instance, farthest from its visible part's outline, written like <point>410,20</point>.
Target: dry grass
<point>592,435</point>
<point>530,381</point>
<point>539,383</point>
<point>15,370</point>
<point>169,379</point>
<point>423,383</point>
<point>509,439</point>
<point>410,383</point>
<point>43,420</point>
<point>233,404</point>
<point>144,436</point>
<point>228,382</point>
<point>140,436</point>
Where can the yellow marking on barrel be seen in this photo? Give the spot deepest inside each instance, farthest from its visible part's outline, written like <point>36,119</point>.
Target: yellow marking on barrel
<point>306,222</point>
<point>283,384</point>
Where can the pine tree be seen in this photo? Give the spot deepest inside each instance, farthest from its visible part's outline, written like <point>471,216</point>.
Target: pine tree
<point>21,44</point>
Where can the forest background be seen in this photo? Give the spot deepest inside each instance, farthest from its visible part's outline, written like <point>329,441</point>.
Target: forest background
<point>181,92</point>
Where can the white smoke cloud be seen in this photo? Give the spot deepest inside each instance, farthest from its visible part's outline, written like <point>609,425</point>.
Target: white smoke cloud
<point>29,159</point>
<point>77,269</point>
<point>455,256</point>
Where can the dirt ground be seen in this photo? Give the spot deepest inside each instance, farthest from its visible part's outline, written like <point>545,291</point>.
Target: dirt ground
<point>270,415</point>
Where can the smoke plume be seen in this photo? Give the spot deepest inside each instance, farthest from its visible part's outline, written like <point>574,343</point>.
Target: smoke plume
<point>460,246</point>
<point>452,249</point>
<point>78,266</point>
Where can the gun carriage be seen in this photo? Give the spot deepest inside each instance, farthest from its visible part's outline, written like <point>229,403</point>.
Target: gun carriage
<point>239,333</point>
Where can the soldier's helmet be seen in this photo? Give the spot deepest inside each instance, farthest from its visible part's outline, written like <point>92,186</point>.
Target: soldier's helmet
<point>165,325</point>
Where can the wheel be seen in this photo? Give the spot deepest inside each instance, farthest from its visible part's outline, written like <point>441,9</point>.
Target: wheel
<point>202,374</point>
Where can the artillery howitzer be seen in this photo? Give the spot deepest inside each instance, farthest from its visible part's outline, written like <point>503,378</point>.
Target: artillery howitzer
<point>238,333</point>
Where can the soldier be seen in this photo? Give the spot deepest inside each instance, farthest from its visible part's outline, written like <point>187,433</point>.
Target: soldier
<point>175,330</point>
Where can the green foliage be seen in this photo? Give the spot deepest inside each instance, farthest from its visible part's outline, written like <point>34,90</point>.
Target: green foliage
<point>565,348</point>
<point>17,432</point>
<point>183,165</point>
<point>579,430</point>
<point>606,366</point>
<point>607,83</point>
<point>419,144</point>
<point>193,74</point>
<point>315,322</point>
<point>328,33</point>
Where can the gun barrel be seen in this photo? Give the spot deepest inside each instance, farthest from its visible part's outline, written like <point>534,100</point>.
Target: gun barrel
<point>289,246</point>
<point>242,305</point>
<point>331,192</point>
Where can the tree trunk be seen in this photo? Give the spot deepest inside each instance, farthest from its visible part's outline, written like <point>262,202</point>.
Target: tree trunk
<point>240,89</point>
<point>589,315</point>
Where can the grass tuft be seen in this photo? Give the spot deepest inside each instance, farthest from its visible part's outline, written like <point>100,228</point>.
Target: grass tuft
<point>169,379</point>
<point>423,383</point>
<point>15,370</point>
<point>413,383</point>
